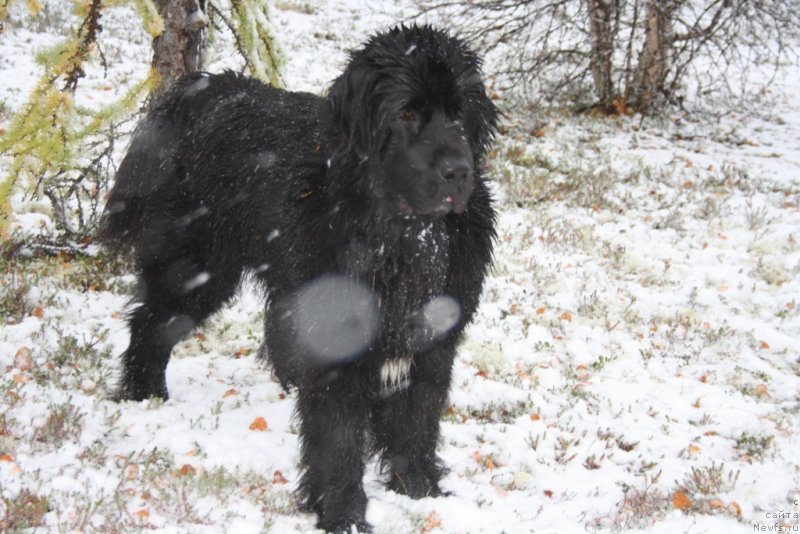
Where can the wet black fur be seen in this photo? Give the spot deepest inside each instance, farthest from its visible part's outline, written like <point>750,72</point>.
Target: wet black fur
<point>227,176</point>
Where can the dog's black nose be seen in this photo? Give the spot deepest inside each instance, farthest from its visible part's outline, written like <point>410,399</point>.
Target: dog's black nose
<point>454,168</point>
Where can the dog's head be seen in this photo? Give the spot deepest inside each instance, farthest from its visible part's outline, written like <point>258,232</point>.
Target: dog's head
<point>411,105</point>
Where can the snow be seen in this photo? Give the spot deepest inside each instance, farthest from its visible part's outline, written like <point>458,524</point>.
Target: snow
<point>196,281</point>
<point>639,323</point>
<point>441,314</point>
<point>336,318</point>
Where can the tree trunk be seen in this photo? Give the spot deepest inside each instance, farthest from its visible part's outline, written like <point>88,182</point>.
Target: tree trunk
<point>178,50</point>
<point>601,39</point>
<point>655,58</point>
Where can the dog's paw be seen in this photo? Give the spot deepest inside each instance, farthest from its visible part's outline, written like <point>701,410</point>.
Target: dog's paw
<point>129,391</point>
<point>416,486</point>
<point>345,526</point>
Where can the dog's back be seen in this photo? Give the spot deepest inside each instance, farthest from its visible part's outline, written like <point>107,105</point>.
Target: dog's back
<point>203,121</point>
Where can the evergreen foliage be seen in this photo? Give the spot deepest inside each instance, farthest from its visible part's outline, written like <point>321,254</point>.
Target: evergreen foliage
<point>256,40</point>
<point>63,150</point>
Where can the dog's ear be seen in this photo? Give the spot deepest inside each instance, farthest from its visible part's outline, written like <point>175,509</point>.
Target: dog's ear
<point>481,115</point>
<point>355,106</point>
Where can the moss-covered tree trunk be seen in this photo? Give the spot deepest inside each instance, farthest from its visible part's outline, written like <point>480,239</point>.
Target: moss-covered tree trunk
<point>601,40</point>
<point>178,49</point>
<point>655,58</point>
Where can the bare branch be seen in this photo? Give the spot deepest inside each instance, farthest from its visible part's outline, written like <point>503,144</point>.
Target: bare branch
<point>548,50</point>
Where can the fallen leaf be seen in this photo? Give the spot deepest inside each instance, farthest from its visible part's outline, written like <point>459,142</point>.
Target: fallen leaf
<point>540,310</point>
<point>716,504</point>
<point>131,471</point>
<point>38,312</point>
<point>259,424</point>
<point>22,359</point>
<point>621,106</point>
<point>187,469</point>
<point>763,345</point>
<point>680,501</point>
<point>6,458</point>
<point>522,374</point>
<point>489,464</point>
<point>548,493</point>
<point>143,513</point>
<point>567,316</point>
<point>431,522</point>
<point>693,449</point>
<point>736,507</point>
<point>230,393</point>
<point>278,478</point>
<point>762,392</point>
<point>535,417</point>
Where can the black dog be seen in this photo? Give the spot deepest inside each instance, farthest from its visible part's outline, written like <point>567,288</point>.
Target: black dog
<point>365,216</point>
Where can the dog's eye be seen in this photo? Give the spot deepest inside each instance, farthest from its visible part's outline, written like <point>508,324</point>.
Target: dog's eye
<point>408,116</point>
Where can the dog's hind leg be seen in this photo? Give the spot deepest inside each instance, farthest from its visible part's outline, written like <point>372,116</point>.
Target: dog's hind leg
<point>175,297</point>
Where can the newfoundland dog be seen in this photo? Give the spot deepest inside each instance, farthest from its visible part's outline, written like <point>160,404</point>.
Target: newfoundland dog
<point>366,217</point>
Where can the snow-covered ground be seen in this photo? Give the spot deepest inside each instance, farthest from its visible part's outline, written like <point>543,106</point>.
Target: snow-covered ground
<point>634,366</point>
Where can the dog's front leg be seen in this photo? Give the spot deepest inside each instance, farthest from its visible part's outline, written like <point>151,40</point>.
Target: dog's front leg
<point>405,424</point>
<point>333,415</point>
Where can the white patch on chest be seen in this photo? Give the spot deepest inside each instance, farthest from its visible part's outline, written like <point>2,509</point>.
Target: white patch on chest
<point>395,376</point>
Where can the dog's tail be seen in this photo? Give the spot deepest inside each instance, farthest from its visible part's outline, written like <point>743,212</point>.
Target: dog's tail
<point>146,180</point>
<point>139,186</point>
